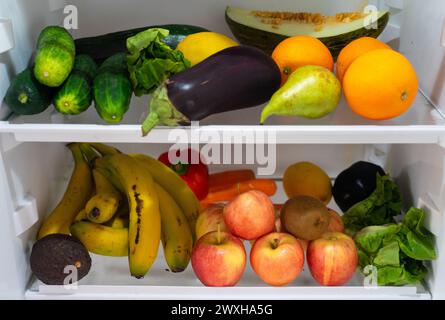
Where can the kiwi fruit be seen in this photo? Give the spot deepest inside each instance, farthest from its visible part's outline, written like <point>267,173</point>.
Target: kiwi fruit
<point>305,217</point>
<point>53,253</point>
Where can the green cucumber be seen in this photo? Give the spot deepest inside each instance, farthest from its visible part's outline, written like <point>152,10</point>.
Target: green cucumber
<point>86,64</point>
<point>112,89</point>
<point>75,95</point>
<point>252,30</point>
<point>58,34</point>
<point>26,95</point>
<point>55,56</point>
<point>104,46</point>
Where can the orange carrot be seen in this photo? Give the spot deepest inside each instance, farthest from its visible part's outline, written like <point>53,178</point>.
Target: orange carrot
<point>224,180</point>
<point>267,186</point>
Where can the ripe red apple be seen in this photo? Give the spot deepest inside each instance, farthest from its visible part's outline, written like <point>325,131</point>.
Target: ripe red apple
<point>277,258</point>
<point>335,222</point>
<point>250,215</point>
<point>304,244</point>
<point>332,259</point>
<point>209,219</point>
<point>219,259</point>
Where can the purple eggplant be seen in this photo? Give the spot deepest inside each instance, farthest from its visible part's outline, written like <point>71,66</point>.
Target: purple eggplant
<point>235,78</point>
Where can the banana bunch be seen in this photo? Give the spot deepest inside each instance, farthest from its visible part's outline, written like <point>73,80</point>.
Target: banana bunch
<point>126,205</point>
<point>159,207</point>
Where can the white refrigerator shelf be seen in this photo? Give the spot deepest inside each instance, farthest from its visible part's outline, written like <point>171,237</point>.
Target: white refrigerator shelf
<point>422,124</point>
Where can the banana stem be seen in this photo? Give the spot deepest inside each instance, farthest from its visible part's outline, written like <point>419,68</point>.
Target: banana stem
<point>89,153</point>
<point>104,149</point>
<point>77,152</point>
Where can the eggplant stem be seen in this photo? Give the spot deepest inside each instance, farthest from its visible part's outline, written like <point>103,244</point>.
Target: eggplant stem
<point>162,112</point>
<point>149,123</point>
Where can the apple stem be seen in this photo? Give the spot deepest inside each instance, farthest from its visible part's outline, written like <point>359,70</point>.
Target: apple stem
<point>275,243</point>
<point>218,236</point>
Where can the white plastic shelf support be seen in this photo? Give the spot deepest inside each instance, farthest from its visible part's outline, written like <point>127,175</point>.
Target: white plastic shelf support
<point>6,35</point>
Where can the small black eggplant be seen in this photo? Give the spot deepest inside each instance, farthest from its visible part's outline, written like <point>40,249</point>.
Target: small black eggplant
<point>235,78</point>
<point>355,184</point>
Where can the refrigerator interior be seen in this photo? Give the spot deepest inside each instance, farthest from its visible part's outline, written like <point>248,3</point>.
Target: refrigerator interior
<point>35,165</point>
<point>37,174</point>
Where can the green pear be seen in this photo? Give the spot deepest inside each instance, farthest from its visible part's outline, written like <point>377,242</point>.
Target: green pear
<point>310,92</point>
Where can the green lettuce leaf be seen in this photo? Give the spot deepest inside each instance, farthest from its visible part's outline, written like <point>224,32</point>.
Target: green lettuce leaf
<point>388,255</point>
<point>397,251</point>
<point>403,275</point>
<point>372,238</point>
<point>378,209</point>
<point>414,240</point>
<point>150,61</point>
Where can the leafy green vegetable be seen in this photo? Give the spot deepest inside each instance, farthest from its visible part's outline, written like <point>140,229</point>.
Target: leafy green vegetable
<point>388,255</point>
<point>414,240</point>
<point>371,238</point>
<point>378,209</point>
<point>397,250</point>
<point>399,276</point>
<point>151,61</point>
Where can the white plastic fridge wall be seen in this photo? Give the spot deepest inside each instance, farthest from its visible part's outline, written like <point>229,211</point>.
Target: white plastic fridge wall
<point>37,174</point>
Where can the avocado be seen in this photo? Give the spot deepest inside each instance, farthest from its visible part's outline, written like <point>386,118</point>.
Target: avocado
<point>51,254</point>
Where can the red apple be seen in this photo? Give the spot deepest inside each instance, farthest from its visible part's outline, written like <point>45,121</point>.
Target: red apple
<point>335,222</point>
<point>209,220</point>
<point>277,258</point>
<point>304,244</point>
<point>250,215</point>
<point>332,259</point>
<point>219,259</point>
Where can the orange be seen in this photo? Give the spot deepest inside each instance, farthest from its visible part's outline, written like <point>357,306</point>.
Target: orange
<point>354,50</point>
<point>300,51</point>
<point>381,84</point>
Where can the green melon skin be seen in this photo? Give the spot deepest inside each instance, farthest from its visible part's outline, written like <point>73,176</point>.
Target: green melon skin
<point>53,64</point>
<point>112,95</point>
<point>267,41</point>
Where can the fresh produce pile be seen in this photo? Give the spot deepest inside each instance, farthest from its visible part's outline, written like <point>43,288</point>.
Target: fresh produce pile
<point>287,59</point>
<point>125,205</point>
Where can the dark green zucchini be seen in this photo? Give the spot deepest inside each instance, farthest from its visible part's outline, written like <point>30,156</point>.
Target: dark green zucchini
<point>55,56</point>
<point>112,89</point>
<point>75,95</point>
<point>26,95</point>
<point>104,46</point>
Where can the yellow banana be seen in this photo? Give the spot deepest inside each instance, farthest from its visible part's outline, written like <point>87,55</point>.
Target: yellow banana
<point>101,239</point>
<point>120,219</point>
<point>175,186</point>
<point>145,220</point>
<point>177,239</point>
<point>76,195</point>
<point>82,215</point>
<point>103,205</point>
